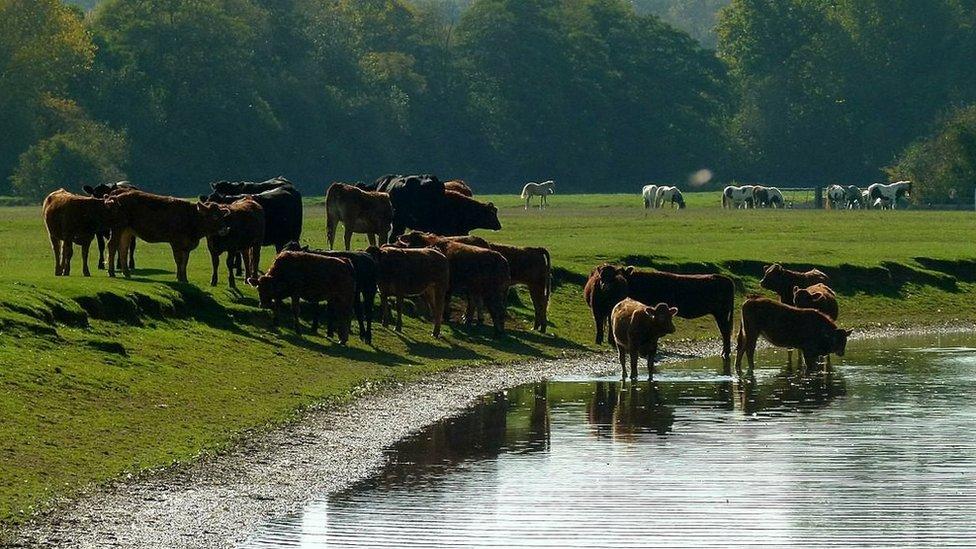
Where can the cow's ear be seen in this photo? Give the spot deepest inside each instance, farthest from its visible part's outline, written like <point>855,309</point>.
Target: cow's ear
<point>848,332</point>
<point>796,289</point>
<point>88,189</point>
<point>629,270</point>
<point>673,311</point>
<point>213,185</point>
<point>817,297</point>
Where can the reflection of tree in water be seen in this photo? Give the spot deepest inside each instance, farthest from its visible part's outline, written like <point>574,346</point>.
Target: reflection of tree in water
<point>641,409</point>
<point>790,391</point>
<point>482,432</point>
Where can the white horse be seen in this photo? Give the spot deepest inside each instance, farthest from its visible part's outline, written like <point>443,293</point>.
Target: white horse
<point>836,195</point>
<point>669,194</point>
<point>888,195</point>
<point>649,192</point>
<point>738,197</point>
<point>542,190</point>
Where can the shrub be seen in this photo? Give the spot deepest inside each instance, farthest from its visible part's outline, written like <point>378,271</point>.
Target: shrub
<point>944,162</point>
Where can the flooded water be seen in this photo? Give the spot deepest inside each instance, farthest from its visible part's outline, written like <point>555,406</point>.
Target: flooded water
<point>881,451</point>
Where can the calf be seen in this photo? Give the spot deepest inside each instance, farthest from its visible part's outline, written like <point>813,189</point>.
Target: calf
<point>529,266</point>
<point>75,219</point>
<point>312,278</point>
<point>605,288</point>
<point>245,234</point>
<point>459,186</point>
<point>359,211</point>
<point>810,331</point>
<point>156,218</point>
<point>694,296</point>
<point>636,329</point>
<point>782,280</point>
<point>366,272</point>
<point>412,272</point>
<point>101,191</point>
<point>819,297</point>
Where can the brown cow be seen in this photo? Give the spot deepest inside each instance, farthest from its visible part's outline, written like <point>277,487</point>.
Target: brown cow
<point>406,272</point>
<point>156,218</point>
<point>808,330</point>
<point>360,211</point>
<point>819,297</point>
<point>782,280</point>
<point>636,329</point>
<point>529,266</point>
<point>75,219</point>
<point>605,288</point>
<point>312,278</point>
<point>245,234</point>
<point>458,186</point>
<point>481,274</point>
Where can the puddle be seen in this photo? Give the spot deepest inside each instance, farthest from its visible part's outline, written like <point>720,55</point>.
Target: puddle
<point>880,451</point>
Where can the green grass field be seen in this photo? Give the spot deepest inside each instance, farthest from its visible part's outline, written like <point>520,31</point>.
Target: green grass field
<point>106,376</point>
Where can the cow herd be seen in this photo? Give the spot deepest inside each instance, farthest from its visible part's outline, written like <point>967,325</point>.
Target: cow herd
<point>436,260</point>
<point>637,309</point>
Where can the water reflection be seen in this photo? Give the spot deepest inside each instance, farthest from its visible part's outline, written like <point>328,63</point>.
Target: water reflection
<point>878,450</point>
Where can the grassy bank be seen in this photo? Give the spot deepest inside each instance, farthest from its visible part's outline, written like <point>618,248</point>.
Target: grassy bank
<point>101,377</point>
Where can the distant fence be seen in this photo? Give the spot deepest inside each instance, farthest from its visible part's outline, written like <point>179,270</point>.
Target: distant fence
<point>803,197</point>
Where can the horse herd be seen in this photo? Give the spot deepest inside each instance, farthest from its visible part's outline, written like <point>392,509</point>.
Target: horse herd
<point>432,262</point>
<point>877,195</point>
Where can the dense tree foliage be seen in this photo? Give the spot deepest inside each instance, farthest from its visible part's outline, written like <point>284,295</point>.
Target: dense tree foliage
<point>598,94</point>
<point>943,166</point>
<point>832,91</point>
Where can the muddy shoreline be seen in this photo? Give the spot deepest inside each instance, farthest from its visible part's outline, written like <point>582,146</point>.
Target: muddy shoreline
<point>220,500</point>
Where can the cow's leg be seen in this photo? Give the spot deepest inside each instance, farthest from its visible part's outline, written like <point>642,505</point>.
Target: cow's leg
<point>725,321</point>
<point>469,309</point>
<point>650,362</point>
<point>113,248</point>
<point>740,349</point>
<point>331,225</point>
<point>315,316</point>
<point>384,309</point>
<point>56,248</point>
<point>811,358</point>
<point>66,250</point>
<point>496,308</point>
<point>399,311</point>
<point>539,306</point>
<point>255,260</point>
<point>132,253</point>
<point>124,248</point>
<point>230,274</point>
<point>358,310</point>
<point>437,310</point>
<point>600,321</point>
<point>368,298</point>
<point>100,238</point>
<point>215,265</point>
<point>622,357</point>
<point>296,310</point>
<point>85,248</point>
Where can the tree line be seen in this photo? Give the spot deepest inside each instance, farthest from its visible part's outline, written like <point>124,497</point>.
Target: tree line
<point>601,97</point>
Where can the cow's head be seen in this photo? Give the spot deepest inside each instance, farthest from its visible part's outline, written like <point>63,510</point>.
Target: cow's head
<point>294,247</point>
<point>611,281</point>
<point>104,189</point>
<point>773,278</point>
<point>806,299</point>
<point>834,340</point>
<point>663,318</point>
<point>489,217</point>
<point>212,218</point>
<point>415,239</point>
<point>266,290</point>
<point>113,212</point>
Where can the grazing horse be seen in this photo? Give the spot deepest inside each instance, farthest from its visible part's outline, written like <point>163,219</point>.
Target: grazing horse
<point>542,190</point>
<point>767,197</point>
<point>669,194</point>
<point>649,192</point>
<point>738,197</point>
<point>888,195</point>
<point>836,195</point>
<point>855,198</point>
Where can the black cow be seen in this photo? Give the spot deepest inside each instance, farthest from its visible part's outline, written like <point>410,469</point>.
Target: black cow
<point>693,295</point>
<point>101,191</point>
<point>420,202</point>
<point>247,187</point>
<point>282,213</point>
<point>366,272</point>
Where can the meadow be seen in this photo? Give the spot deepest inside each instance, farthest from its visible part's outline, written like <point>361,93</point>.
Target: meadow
<point>103,377</point>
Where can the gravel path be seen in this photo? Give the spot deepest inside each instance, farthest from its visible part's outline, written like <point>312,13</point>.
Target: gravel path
<point>219,501</point>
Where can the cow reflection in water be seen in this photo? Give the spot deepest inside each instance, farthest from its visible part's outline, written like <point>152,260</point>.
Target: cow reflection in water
<point>623,412</point>
<point>789,391</point>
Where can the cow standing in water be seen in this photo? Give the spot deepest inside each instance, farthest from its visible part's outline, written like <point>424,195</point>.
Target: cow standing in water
<point>636,329</point>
